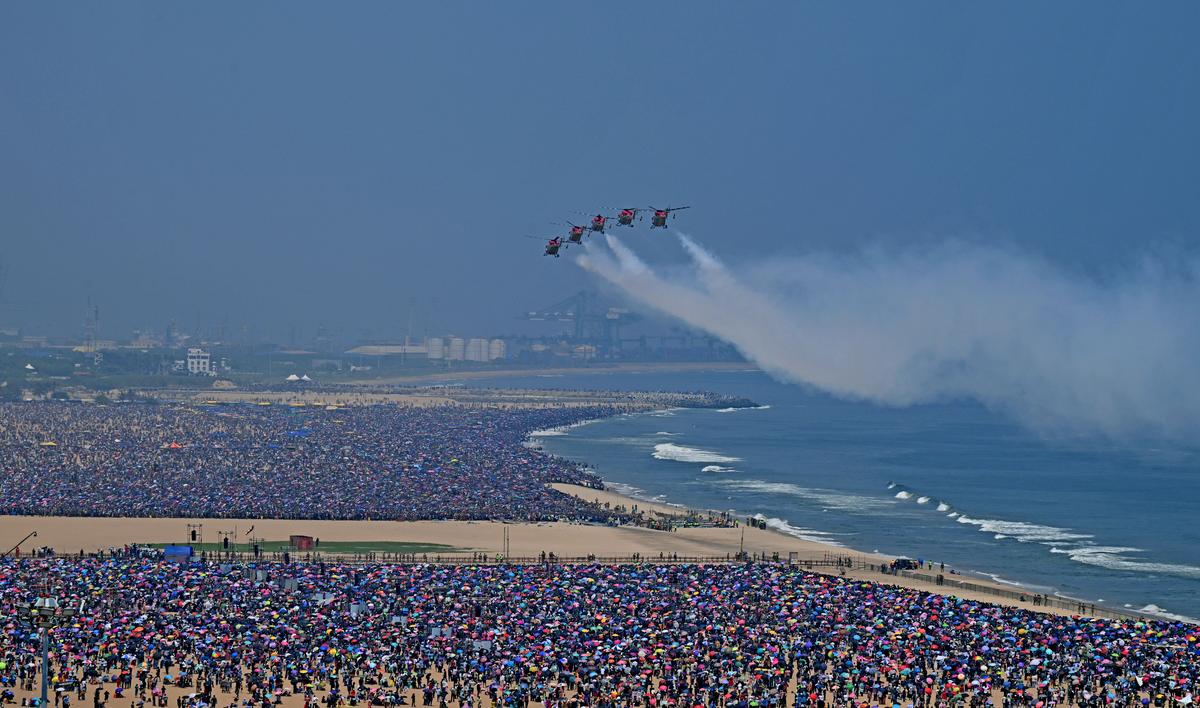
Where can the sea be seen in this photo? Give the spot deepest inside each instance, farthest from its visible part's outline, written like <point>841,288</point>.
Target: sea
<point>1116,523</point>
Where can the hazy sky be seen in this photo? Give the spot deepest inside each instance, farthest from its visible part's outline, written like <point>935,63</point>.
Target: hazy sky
<point>295,163</point>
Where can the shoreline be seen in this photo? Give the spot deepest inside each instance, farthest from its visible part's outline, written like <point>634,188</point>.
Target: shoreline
<point>993,583</point>
<point>571,541</point>
<point>989,589</point>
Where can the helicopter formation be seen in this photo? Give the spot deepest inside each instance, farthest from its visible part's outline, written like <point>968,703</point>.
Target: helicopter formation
<point>600,222</point>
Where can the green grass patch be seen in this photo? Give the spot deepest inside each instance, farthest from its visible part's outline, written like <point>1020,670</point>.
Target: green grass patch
<point>344,547</point>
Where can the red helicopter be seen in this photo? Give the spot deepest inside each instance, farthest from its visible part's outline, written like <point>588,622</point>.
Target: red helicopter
<point>659,220</point>
<point>553,245</point>
<point>625,217</point>
<point>598,222</point>
<point>575,235</point>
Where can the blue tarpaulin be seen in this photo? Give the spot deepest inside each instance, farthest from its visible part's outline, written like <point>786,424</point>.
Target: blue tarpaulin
<point>181,554</point>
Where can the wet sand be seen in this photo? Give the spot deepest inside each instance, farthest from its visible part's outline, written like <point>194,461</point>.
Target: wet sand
<point>728,540</point>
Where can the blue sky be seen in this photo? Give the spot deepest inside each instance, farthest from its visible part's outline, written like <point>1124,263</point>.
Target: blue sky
<point>280,164</point>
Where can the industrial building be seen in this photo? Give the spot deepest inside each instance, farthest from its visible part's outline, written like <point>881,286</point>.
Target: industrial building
<point>199,362</point>
<point>478,349</point>
<point>459,349</point>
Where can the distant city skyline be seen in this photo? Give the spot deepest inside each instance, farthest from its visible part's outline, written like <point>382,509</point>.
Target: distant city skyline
<point>230,332</point>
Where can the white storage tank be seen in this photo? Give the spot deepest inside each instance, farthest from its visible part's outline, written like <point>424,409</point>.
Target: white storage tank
<point>477,349</point>
<point>435,348</point>
<point>457,350</point>
<point>497,349</point>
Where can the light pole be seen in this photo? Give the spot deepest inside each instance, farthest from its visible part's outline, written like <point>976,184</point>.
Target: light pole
<point>46,614</point>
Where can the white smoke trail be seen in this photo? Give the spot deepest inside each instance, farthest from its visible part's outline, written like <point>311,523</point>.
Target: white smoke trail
<point>1062,353</point>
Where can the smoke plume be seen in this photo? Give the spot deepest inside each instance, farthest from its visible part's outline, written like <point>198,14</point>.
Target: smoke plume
<point>1062,353</point>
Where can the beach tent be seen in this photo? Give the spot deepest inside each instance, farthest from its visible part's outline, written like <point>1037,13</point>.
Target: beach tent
<point>30,367</point>
<point>292,377</point>
<point>305,378</point>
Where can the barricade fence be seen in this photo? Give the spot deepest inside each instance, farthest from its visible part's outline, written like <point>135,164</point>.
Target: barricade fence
<point>489,558</point>
<point>827,562</point>
<point>1038,600</point>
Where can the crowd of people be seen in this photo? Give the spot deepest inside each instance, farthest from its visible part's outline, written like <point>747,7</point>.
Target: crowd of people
<point>147,630</point>
<point>248,461</point>
<point>754,634</point>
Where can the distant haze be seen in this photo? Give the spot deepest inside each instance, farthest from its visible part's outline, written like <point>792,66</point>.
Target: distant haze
<point>1063,353</point>
<point>276,166</point>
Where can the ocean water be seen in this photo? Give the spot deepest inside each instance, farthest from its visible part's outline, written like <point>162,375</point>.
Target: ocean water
<point>1102,521</point>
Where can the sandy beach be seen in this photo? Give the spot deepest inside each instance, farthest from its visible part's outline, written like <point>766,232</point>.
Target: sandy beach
<point>528,540</point>
<point>90,534</point>
<point>567,540</point>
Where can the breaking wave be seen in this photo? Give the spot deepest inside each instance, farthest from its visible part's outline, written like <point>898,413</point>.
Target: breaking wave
<point>824,498</point>
<point>1117,558</point>
<point>1079,547</point>
<point>636,493</point>
<point>1024,531</point>
<point>1153,609</point>
<point>682,453</point>
<point>795,531</point>
<point>717,468</point>
<point>907,493</point>
<point>561,429</point>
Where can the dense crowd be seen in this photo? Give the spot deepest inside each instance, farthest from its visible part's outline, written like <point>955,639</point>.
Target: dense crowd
<point>634,635</point>
<point>247,461</point>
